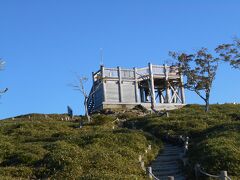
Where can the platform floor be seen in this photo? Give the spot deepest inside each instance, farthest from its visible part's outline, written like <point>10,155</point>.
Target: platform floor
<point>158,106</point>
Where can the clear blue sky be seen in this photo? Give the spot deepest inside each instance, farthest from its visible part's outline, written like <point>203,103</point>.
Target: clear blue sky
<point>45,42</point>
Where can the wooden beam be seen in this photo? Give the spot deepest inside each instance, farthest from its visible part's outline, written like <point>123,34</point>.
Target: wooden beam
<point>153,101</point>
<point>162,98</point>
<point>167,84</point>
<point>103,83</point>
<point>136,84</point>
<point>119,84</point>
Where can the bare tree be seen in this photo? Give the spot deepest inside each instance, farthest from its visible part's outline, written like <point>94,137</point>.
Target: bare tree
<point>80,86</point>
<point>230,53</point>
<point>200,70</point>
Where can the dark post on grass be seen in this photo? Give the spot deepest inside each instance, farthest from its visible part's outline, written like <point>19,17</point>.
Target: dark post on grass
<point>70,112</point>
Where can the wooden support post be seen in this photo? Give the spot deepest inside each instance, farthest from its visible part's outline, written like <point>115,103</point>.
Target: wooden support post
<point>196,168</point>
<point>150,172</point>
<point>153,101</point>
<point>223,175</point>
<point>103,83</point>
<point>120,83</point>
<point>143,166</point>
<point>159,96</point>
<point>162,98</point>
<point>136,84</point>
<point>174,95</point>
<point>141,94</point>
<point>140,158</point>
<point>167,99</point>
<point>182,90</point>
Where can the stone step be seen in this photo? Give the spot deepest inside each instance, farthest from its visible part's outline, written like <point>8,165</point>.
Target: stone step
<point>164,162</point>
<point>177,177</point>
<point>177,150</point>
<point>160,164</point>
<point>170,145</point>
<point>171,148</point>
<point>171,154</point>
<point>167,172</point>
<point>165,168</point>
<point>168,158</point>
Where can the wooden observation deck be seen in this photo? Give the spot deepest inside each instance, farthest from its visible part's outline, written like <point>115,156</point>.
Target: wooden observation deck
<point>158,86</point>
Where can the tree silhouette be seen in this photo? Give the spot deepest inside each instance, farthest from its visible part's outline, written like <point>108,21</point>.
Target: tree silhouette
<point>230,53</point>
<point>200,70</point>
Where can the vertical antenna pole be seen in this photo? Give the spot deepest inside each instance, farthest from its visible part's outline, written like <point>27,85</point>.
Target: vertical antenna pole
<point>101,56</point>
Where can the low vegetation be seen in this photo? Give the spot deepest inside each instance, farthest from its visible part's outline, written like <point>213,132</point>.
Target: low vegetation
<point>38,147</point>
<point>214,136</point>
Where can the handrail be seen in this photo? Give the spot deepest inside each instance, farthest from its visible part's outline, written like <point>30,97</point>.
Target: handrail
<point>223,175</point>
<point>149,169</point>
<point>207,174</point>
<point>151,175</point>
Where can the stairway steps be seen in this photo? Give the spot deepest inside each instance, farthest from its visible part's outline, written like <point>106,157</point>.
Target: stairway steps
<point>167,163</point>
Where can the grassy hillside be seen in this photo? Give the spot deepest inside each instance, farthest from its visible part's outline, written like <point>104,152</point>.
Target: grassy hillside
<point>214,137</point>
<point>35,146</point>
<point>49,147</point>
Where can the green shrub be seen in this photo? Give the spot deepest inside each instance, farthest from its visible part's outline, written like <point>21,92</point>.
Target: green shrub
<point>41,148</point>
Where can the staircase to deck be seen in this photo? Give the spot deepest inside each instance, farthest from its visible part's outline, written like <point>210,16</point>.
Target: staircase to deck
<point>90,102</point>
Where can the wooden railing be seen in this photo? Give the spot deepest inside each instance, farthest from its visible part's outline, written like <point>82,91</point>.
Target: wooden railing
<point>129,73</point>
<point>198,171</point>
<point>180,140</point>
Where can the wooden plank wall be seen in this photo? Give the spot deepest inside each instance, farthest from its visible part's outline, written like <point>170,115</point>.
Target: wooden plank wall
<point>128,92</point>
<point>112,91</point>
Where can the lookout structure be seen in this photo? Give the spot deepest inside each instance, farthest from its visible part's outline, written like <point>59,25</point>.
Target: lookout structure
<point>155,86</point>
